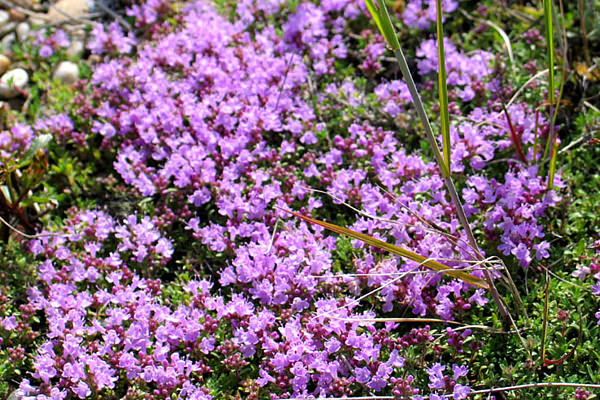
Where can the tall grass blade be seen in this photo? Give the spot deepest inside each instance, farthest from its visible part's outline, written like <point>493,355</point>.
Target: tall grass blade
<point>431,264</point>
<point>554,109</point>
<point>374,14</point>
<point>551,144</point>
<point>551,173</point>
<point>442,88</point>
<point>383,21</point>
<point>416,98</point>
<point>545,317</point>
<point>550,43</point>
<point>388,28</point>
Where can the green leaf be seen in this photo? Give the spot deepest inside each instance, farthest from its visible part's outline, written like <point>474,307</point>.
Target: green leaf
<point>374,13</point>
<point>386,25</point>
<point>442,88</point>
<point>550,43</point>
<point>431,264</point>
<point>383,21</point>
<point>38,200</point>
<point>40,142</point>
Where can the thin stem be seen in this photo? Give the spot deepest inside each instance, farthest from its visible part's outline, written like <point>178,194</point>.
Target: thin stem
<point>535,385</point>
<point>476,392</point>
<point>448,181</point>
<point>412,88</point>
<point>586,46</point>
<point>545,318</point>
<point>471,238</point>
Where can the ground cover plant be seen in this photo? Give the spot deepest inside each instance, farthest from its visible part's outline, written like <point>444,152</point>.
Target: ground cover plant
<point>162,218</point>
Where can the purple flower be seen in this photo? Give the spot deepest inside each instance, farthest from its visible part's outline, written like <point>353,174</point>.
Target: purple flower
<point>82,390</point>
<point>461,391</point>
<point>436,376</point>
<point>9,323</point>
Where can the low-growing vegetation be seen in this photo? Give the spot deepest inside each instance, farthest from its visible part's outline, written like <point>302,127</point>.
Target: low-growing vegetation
<point>286,199</point>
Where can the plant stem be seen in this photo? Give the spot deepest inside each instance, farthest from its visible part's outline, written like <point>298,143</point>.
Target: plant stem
<point>449,183</point>
<point>416,98</point>
<point>476,392</point>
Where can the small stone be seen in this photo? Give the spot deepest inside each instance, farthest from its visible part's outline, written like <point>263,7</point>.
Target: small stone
<point>15,78</point>
<point>22,30</point>
<point>4,17</point>
<point>67,9</point>
<point>16,15</point>
<point>4,63</point>
<point>67,72</point>
<point>75,48</point>
<point>36,21</point>
<point>7,28</point>
<point>8,40</point>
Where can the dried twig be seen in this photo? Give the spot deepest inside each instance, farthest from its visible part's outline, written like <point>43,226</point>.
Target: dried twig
<point>476,392</point>
<point>27,236</point>
<point>100,4</point>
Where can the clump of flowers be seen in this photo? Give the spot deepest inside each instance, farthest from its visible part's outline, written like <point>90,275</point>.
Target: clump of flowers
<point>51,43</point>
<point>592,268</point>
<point>111,40</point>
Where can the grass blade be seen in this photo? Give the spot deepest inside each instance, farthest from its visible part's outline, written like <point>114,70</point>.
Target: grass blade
<point>553,154</point>
<point>514,136</point>
<point>442,88</point>
<point>506,40</point>
<point>384,23</point>
<point>551,143</point>
<point>550,43</point>
<point>374,14</point>
<point>431,264</point>
<point>418,104</point>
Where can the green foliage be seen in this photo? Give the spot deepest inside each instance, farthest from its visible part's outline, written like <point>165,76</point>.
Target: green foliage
<point>442,88</point>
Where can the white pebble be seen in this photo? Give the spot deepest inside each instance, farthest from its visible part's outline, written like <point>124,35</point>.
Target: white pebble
<point>67,72</point>
<point>4,17</point>
<point>15,78</point>
<point>23,30</point>
<point>76,48</point>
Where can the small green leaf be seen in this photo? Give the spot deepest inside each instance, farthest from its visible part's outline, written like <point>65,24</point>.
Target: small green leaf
<point>38,200</point>
<point>40,142</point>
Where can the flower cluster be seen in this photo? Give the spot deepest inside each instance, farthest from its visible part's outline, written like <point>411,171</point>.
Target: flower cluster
<point>108,326</point>
<point>111,40</point>
<point>51,43</point>
<point>591,268</point>
<point>15,142</point>
<point>464,72</point>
